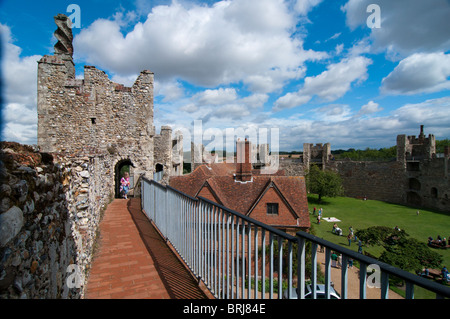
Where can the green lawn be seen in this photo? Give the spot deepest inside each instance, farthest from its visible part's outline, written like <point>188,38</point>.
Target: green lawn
<point>361,214</point>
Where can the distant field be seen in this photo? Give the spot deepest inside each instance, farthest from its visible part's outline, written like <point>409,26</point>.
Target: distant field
<point>361,214</point>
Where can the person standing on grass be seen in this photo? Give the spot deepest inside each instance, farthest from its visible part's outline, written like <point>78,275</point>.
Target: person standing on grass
<point>349,237</point>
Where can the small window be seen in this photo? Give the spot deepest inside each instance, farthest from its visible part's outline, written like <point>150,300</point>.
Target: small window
<point>272,208</point>
<point>93,120</point>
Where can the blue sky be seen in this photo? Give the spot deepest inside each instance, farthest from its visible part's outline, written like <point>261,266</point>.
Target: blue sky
<point>313,69</point>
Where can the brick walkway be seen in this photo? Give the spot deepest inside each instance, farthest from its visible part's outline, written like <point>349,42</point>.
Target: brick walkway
<point>134,262</point>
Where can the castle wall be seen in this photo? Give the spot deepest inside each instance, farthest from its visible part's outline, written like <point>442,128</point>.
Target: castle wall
<point>429,184</point>
<point>50,208</point>
<point>292,167</point>
<point>384,181</point>
<point>94,115</point>
<point>163,151</point>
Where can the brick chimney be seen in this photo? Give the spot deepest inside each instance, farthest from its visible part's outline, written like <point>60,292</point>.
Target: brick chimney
<point>243,162</point>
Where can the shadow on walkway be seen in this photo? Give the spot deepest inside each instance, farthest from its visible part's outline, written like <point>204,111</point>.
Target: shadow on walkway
<point>178,281</point>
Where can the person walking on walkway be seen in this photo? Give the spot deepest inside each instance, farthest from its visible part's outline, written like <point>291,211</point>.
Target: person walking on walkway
<point>125,185</point>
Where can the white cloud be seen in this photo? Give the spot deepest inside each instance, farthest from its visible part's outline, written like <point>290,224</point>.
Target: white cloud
<point>337,79</point>
<point>19,91</point>
<point>407,26</point>
<point>189,108</point>
<point>171,91</point>
<point>229,42</point>
<point>432,113</point>
<point>304,6</point>
<point>369,108</point>
<point>364,131</point>
<point>291,100</point>
<point>334,113</point>
<point>216,97</point>
<point>330,85</point>
<point>419,73</point>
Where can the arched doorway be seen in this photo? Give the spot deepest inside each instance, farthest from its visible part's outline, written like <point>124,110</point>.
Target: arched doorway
<point>159,169</point>
<point>121,167</point>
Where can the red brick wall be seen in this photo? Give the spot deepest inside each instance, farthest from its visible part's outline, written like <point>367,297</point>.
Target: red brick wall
<point>206,193</point>
<point>284,217</point>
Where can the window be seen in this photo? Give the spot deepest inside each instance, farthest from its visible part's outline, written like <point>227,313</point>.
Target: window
<point>272,208</point>
<point>93,120</point>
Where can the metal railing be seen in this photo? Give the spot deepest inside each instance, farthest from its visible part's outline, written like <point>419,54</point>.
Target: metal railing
<point>238,257</point>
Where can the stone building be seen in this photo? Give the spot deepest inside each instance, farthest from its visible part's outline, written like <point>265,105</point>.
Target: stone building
<point>52,198</point>
<point>318,154</point>
<point>417,177</point>
<point>94,115</point>
<point>427,173</point>
<point>168,155</point>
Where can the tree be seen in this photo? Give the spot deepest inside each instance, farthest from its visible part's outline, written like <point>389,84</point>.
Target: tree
<point>400,251</point>
<point>411,255</point>
<point>323,182</point>
<point>441,144</point>
<point>379,235</point>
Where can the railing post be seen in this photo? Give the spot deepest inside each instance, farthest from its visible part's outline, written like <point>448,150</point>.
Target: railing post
<point>232,255</point>
<point>280,268</point>
<point>256,263</point>
<point>301,268</point>
<point>243,258</point>
<point>249,261</point>
<point>238,273</point>
<point>327,272</point>
<point>271,266</point>
<point>362,280</point>
<point>215,241</point>
<point>409,290</point>
<point>313,269</point>
<point>289,270</point>
<point>384,285</point>
<point>263,263</point>
<point>227,294</point>
<point>344,277</point>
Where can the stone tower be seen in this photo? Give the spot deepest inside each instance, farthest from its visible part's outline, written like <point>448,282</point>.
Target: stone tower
<point>318,154</point>
<point>412,148</point>
<point>93,115</point>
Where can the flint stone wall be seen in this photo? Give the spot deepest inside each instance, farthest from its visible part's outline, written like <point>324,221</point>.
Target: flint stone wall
<point>50,209</point>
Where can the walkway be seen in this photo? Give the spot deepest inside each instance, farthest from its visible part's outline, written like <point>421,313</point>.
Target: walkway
<point>352,282</point>
<point>134,262</point>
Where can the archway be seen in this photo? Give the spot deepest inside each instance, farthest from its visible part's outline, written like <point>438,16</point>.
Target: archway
<point>121,167</point>
<point>159,170</point>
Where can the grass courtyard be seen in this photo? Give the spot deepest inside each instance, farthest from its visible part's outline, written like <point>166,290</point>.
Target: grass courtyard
<point>362,214</point>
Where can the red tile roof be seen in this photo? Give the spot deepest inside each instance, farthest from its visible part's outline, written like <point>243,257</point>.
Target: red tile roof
<point>243,196</point>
